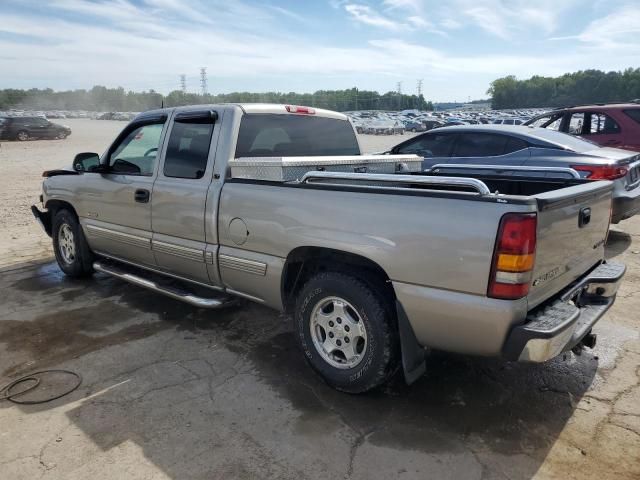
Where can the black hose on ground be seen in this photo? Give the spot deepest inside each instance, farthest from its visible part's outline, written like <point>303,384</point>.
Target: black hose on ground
<point>5,392</point>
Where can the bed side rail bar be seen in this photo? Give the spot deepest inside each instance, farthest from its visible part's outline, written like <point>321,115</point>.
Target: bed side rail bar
<point>325,178</point>
<point>503,168</point>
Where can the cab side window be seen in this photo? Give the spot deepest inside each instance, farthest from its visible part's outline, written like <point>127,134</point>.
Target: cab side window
<point>188,148</point>
<point>137,152</point>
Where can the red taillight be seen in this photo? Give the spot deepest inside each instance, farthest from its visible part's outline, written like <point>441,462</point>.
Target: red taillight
<point>602,172</point>
<point>514,256</point>
<point>298,109</point>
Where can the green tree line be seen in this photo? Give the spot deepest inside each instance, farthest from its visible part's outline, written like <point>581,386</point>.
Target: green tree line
<point>578,88</point>
<point>102,99</point>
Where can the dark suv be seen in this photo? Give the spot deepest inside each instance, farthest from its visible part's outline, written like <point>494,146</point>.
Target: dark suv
<point>25,128</point>
<point>609,125</point>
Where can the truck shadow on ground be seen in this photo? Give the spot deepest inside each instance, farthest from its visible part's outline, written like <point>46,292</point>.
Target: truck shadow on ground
<point>617,243</point>
<point>228,393</point>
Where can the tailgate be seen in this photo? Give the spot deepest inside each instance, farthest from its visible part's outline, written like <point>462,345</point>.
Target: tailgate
<point>572,229</point>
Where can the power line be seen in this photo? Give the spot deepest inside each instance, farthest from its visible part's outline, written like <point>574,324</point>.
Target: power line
<point>203,80</point>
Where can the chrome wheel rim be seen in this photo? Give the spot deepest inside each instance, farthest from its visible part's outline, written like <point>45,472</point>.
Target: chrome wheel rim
<point>338,332</point>
<point>22,136</point>
<point>67,244</point>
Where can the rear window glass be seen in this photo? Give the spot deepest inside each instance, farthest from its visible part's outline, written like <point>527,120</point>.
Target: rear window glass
<point>634,114</point>
<point>562,140</point>
<point>277,135</point>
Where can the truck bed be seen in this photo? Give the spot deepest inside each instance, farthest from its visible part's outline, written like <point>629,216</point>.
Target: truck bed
<point>435,242</point>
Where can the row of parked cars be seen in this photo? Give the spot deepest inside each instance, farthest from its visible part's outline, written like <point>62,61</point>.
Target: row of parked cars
<point>390,123</point>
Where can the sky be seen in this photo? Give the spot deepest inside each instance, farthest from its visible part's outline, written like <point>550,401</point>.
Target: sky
<point>457,47</point>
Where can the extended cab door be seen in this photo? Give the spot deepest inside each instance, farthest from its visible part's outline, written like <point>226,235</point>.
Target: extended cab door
<point>115,207</point>
<point>180,195</point>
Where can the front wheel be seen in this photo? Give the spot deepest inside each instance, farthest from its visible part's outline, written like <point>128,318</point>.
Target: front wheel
<point>22,135</point>
<point>70,246</point>
<point>346,332</point>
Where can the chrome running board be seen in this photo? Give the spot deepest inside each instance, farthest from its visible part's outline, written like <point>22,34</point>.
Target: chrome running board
<point>183,295</point>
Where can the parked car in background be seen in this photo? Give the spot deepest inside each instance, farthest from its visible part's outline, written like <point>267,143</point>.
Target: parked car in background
<point>507,121</point>
<point>612,125</point>
<point>528,146</point>
<point>380,127</point>
<point>25,128</point>
<point>414,126</point>
<point>431,124</point>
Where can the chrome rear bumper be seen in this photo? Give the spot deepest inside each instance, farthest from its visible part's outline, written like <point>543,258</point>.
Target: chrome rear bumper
<point>561,324</point>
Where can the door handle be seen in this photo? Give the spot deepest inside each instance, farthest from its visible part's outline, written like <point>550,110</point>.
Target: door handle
<point>142,195</point>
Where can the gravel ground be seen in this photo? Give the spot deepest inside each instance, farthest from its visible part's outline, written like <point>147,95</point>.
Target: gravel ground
<point>175,392</point>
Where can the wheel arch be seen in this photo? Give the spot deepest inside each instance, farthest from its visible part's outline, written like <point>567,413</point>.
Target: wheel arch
<point>303,262</point>
<point>55,205</point>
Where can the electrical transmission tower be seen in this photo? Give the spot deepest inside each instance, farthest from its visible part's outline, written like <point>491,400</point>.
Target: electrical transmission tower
<point>203,80</point>
<point>399,91</point>
<point>183,83</point>
<point>419,90</point>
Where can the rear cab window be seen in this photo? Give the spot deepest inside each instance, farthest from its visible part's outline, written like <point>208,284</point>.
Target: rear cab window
<point>282,135</point>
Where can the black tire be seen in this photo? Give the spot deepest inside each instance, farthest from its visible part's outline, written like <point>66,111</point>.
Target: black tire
<point>381,352</point>
<point>22,136</point>
<point>80,264</point>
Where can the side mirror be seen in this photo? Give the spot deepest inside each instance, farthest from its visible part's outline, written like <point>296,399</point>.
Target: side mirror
<point>86,162</point>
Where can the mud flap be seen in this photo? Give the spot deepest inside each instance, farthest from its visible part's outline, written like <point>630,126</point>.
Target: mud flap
<point>413,363</point>
<point>43,218</point>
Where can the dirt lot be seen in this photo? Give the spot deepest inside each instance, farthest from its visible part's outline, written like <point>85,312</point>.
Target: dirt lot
<point>170,391</point>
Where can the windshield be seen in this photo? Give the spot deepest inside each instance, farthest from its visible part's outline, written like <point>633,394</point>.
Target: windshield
<point>268,135</point>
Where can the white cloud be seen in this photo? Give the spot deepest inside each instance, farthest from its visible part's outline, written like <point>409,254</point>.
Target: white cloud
<point>618,29</point>
<point>365,14</point>
<point>147,44</point>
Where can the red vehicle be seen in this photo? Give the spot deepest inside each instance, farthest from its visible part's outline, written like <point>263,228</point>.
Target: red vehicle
<point>609,125</point>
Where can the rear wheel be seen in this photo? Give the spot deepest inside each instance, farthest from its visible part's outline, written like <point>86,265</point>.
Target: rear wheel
<point>346,331</point>
<point>22,135</point>
<point>70,246</point>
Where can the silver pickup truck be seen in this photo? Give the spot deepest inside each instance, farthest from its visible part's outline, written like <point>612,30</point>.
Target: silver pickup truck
<point>377,262</point>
